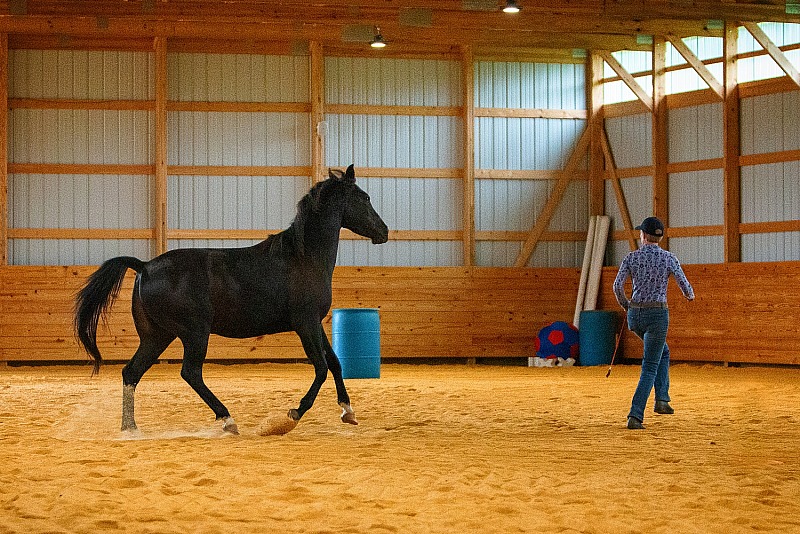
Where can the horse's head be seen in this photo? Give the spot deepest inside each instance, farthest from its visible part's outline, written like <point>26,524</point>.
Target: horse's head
<point>359,215</point>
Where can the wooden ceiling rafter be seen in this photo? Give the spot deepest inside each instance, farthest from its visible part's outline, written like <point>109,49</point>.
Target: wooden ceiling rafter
<point>444,24</point>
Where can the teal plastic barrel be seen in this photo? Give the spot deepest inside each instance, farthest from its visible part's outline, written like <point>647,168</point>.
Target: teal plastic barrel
<point>597,334</point>
<point>356,340</point>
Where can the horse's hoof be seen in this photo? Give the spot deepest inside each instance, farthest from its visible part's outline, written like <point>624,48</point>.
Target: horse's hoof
<point>229,425</point>
<point>294,415</point>
<point>349,418</point>
<point>348,415</point>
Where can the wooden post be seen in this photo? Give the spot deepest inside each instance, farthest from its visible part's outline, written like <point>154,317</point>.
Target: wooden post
<point>597,189</point>
<point>660,136</point>
<point>731,146</point>
<point>468,118</point>
<point>4,149</point>
<point>160,186</point>
<point>317,112</point>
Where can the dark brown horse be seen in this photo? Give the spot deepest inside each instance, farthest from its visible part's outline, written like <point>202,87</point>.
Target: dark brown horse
<point>279,285</point>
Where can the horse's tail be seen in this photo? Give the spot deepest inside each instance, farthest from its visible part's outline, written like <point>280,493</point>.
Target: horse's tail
<point>96,297</point>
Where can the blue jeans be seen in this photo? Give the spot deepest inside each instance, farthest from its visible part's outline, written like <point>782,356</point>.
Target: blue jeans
<point>651,325</point>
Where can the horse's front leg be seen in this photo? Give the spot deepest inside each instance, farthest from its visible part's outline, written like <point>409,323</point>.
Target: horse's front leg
<point>348,415</point>
<point>311,337</point>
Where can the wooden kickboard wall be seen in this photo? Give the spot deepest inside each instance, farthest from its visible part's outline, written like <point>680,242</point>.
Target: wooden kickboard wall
<point>743,313</point>
<point>424,312</point>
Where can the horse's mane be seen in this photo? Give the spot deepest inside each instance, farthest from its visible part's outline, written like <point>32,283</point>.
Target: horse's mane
<point>292,240</point>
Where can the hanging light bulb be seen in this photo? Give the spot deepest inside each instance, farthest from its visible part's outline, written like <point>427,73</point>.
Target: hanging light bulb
<point>511,7</point>
<point>377,41</point>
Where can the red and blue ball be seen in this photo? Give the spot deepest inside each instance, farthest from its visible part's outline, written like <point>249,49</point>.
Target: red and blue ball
<point>557,340</point>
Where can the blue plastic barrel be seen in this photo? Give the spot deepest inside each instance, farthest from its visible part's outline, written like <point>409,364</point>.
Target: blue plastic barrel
<point>356,340</point>
<point>597,334</point>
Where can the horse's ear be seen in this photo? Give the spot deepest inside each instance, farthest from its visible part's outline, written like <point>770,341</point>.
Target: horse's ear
<point>350,175</point>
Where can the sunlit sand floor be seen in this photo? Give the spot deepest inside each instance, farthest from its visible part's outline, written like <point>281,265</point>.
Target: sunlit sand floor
<point>439,449</point>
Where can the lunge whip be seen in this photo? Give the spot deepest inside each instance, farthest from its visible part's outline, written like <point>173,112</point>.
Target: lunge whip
<point>616,345</point>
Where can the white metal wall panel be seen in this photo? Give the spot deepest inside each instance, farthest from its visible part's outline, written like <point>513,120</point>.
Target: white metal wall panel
<point>238,78</point>
<point>234,202</point>
<point>76,74</point>
<point>80,136</point>
<point>397,252</point>
<point>771,123</point>
<point>238,139</point>
<point>771,193</point>
<point>631,140</point>
<point>77,201</point>
<point>778,246</point>
<point>529,85</point>
<point>392,82</point>
<point>639,198</point>
<point>696,199</point>
<point>390,141</point>
<point>525,144</point>
<point>74,251</point>
<point>695,133</point>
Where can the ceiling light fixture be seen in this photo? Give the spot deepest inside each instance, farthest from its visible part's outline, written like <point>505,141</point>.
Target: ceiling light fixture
<point>511,7</point>
<point>377,41</point>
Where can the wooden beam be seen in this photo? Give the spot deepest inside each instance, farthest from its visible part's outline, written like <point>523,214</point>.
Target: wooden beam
<point>240,107</point>
<point>774,52</point>
<point>660,136</point>
<point>628,78</point>
<point>555,198</point>
<point>80,168</point>
<point>524,174</point>
<point>368,109</point>
<point>532,113</point>
<point>622,203</point>
<point>731,146</point>
<point>3,149</point>
<point>468,126</point>
<point>81,233</point>
<point>237,170</point>
<point>317,113</point>
<point>597,187</point>
<point>160,127</point>
<point>697,65</point>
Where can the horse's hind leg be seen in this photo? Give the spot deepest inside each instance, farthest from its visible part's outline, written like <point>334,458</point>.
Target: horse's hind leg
<point>348,416</point>
<point>195,348</point>
<point>151,345</point>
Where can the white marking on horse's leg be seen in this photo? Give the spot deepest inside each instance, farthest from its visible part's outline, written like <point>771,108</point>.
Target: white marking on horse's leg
<point>229,425</point>
<point>128,421</point>
<point>348,415</point>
